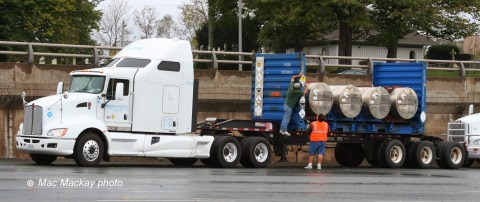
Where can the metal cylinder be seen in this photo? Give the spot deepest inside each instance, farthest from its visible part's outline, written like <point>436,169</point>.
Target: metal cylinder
<point>319,99</point>
<point>404,103</point>
<point>375,102</point>
<point>347,101</point>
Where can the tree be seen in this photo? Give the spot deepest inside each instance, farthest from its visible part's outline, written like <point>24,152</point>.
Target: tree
<point>51,21</point>
<point>146,20</point>
<point>289,23</point>
<point>442,19</point>
<point>193,16</point>
<point>225,28</point>
<point>166,27</point>
<point>112,26</point>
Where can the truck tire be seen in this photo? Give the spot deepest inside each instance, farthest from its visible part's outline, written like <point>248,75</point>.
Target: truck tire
<point>42,159</point>
<point>409,146</point>
<point>244,160</point>
<point>256,152</point>
<point>380,157</point>
<point>394,153</point>
<point>439,151</point>
<point>88,150</point>
<point>453,155</point>
<point>423,155</point>
<point>183,161</point>
<point>226,152</point>
<point>349,155</point>
<point>468,162</point>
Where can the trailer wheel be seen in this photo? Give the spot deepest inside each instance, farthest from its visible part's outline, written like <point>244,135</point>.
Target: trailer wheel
<point>88,150</point>
<point>380,156</point>
<point>226,152</point>
<point>349,155</point>
<point>394,153</point>
<point>256,152</point>
<point>453,155</point>
<point>423,154</point>
<point>244,160</point>
<point>183,161</point>
<point>439,152</point>
<point>43,159</point>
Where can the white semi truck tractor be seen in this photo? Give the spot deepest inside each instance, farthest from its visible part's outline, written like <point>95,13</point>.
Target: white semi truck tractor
<point>466,130</point>
<point>141,104</point>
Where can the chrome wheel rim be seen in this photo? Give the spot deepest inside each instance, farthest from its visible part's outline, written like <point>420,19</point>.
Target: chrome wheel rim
<point>91,150</point>
<point>230,152</point>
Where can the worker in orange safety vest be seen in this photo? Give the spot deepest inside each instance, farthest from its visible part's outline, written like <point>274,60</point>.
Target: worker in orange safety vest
<point>317,132</point>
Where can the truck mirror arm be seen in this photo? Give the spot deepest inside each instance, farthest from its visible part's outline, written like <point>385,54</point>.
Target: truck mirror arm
<point>105,104</point>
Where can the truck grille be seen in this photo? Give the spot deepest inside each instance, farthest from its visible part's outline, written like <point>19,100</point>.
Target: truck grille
<point>457,131</point>
<point>32,120</point>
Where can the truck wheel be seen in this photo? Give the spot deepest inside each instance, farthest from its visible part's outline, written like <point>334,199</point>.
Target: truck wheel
<point>423,155</point>
<point>256,152</point>
<point>439,151</point>
<point>42,159</point>
<point>394,153</point>
<point>410,154</point>
<point>453,155</point>
<point>244,160</point>
<point>183,161</point>
<point>380,156</point>
<point>349,155</point>
<point>88,150</point>
<point>226,153</point>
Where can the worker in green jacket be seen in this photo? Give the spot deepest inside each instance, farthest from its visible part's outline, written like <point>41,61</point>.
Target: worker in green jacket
<point>294,93</point>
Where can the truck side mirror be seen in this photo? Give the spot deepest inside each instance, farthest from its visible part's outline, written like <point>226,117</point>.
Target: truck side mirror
<point>60,88</point>
<point>119,92</point>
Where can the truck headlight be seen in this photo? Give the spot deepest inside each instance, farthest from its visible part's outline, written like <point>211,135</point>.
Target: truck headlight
<point>59,132</point>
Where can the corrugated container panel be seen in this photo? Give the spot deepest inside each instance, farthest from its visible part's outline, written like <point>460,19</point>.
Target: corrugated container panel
<point>269,92</point>
<point>412,75</point>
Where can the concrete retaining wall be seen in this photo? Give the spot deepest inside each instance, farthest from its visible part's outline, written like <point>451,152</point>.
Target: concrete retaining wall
<point>222,94</point>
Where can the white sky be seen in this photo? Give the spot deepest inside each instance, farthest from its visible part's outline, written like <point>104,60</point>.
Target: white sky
<point>163,7</point>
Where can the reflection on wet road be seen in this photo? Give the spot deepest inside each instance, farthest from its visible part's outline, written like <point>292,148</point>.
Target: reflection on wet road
<point>21,180</point>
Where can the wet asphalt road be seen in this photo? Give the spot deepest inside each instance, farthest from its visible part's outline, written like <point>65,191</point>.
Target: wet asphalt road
<point>21,180</point>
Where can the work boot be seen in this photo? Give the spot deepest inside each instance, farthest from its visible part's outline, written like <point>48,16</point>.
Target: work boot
<point>309,166</point>
<point>319,166</point>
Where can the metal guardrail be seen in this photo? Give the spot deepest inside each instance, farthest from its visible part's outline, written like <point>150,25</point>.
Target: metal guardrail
<point>457,65</point>
<point>202,56</point>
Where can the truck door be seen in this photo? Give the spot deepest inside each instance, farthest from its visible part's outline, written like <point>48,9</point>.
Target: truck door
<point>117,114</point>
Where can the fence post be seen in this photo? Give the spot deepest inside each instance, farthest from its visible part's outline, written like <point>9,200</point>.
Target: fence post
<point>214,60</point>
<point>322,65</point>
<point>462,70</point>
<point>370,66</point>
<point>96,60</point>
<point>30,53</point>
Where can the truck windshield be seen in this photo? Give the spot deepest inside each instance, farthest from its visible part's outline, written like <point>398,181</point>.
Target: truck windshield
<point>87,84</point>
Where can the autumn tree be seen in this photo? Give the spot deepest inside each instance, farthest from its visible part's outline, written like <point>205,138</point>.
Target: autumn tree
<point>146,21</point>
<point>112,27</point>
<point>193,15</point>
<point>166,27</point>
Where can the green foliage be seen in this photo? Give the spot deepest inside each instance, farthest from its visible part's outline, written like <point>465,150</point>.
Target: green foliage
<point>226,28</point>
<point>51,21</point>
<point>442,52</point>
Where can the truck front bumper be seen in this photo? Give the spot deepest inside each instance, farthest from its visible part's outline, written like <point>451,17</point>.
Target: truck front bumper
<point>49,146</point>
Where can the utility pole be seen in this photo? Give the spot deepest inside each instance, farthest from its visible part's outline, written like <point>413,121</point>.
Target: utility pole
<point>240,48</point>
